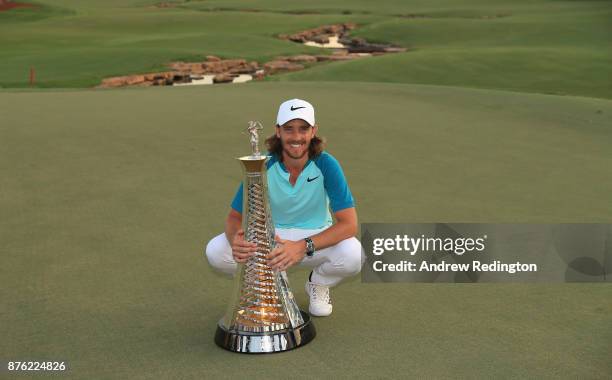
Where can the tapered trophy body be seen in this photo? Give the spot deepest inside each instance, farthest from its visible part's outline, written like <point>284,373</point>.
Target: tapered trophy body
<point>263,316</point>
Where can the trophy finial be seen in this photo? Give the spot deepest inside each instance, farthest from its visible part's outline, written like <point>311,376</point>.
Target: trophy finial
<point>253,129</point>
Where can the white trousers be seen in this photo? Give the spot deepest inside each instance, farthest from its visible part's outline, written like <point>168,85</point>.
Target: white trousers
<point>330,265</point>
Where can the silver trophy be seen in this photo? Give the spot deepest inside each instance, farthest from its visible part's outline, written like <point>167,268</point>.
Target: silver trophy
<point>263,316</point>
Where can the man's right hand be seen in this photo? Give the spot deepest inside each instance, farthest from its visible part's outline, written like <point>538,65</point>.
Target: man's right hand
<point>242,249</point>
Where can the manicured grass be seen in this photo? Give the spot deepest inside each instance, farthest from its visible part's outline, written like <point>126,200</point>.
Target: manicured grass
<point>559,47</point>
<point>108,198</point>
<point>39,11</point>
<point>543,70</point>
<point>564,51</point>
<point>78,51</point>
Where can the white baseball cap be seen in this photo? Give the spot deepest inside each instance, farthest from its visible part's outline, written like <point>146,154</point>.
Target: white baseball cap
<point>295,109</point>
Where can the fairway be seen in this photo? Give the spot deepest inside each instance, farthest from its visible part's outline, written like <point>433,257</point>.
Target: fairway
<point>552,47</point>
<point>108,198</point>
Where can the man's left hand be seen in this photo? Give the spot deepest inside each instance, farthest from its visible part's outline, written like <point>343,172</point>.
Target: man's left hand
<point>286,253</point>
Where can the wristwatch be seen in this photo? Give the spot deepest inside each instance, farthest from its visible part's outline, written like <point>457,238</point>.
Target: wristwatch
<point>310,247</point>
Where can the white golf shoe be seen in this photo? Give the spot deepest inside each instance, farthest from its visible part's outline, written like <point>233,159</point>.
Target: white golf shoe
<point>320,303</point>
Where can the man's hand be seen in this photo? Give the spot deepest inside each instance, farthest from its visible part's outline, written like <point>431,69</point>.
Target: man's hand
<point>242,249</point>
<point>286,253</point>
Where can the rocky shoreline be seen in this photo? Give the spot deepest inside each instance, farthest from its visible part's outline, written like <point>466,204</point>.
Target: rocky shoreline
<point>227,70</point>
<point>323,34</point>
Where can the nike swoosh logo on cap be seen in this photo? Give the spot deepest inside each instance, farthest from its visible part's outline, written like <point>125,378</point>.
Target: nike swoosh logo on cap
<point>296,108</point>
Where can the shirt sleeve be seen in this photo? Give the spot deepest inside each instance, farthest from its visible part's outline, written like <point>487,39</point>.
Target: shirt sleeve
<point>237,202</point>
<point>340,196</point>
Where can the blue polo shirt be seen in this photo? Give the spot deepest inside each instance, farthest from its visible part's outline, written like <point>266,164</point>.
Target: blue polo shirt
<point>320,186</point>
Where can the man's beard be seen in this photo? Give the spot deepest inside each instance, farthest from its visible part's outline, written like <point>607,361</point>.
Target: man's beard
<point>288,152</point>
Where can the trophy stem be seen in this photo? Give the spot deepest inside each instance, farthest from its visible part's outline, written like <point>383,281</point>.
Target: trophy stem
<point>264,316</point>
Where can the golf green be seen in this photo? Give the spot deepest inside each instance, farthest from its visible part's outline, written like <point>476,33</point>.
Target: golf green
<point>108,198</point>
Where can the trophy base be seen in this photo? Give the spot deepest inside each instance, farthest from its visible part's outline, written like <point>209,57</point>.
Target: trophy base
<point>266,343</point>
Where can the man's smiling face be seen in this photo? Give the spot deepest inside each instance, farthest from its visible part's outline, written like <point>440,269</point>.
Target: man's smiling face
<point>295,136</point>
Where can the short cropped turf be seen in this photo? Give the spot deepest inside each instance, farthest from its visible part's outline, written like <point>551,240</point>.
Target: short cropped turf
<point>553,47</point>
<point>499,111</point>
<point>108,198</point>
